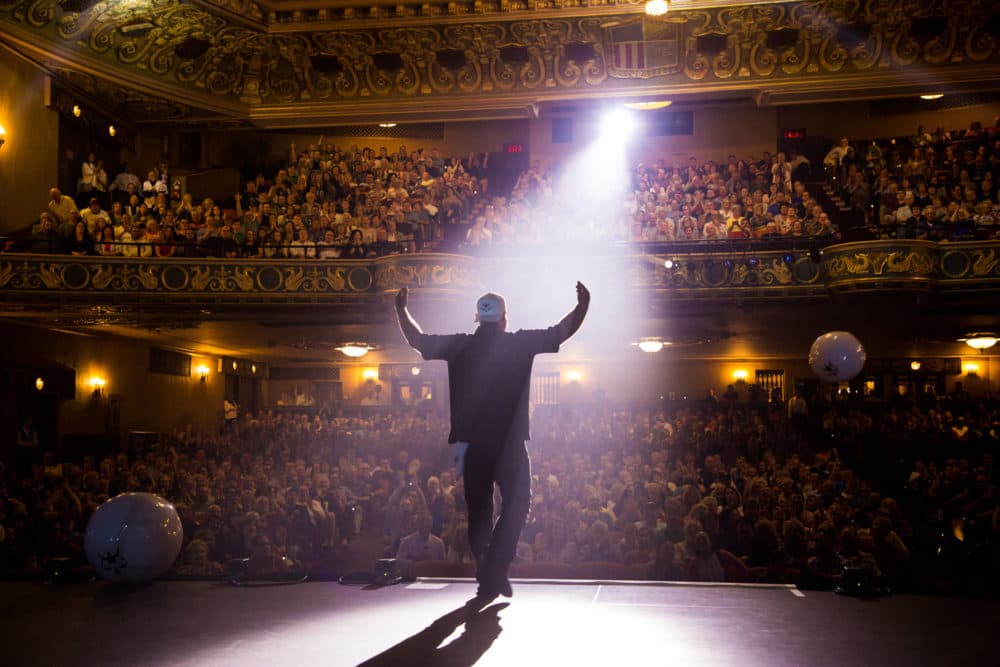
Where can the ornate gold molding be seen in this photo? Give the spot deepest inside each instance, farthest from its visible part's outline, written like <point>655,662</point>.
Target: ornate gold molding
<point>526,50</point>
<point>768,274</point>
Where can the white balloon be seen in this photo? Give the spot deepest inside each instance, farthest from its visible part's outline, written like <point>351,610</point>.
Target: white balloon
<point>133,537</point>
<point>837,356</point>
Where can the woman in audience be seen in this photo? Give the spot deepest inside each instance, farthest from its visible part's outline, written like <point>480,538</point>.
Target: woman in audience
<point>80,243</point>
<point>107,244</point>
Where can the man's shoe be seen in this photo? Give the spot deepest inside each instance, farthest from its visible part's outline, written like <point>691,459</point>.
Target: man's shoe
<point>487,592</point>
<point>503,587</point>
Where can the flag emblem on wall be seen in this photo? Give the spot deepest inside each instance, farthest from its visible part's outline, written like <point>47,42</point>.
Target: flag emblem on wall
<point>644,48</point>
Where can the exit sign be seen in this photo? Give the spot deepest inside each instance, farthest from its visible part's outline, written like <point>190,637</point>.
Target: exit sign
<point>793,133</point>
<point>513,148</point>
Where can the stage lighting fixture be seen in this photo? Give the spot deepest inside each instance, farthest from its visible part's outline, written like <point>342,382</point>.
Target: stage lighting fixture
<point>669,264</point>
<point>617,124</point>
<point>789,258</point>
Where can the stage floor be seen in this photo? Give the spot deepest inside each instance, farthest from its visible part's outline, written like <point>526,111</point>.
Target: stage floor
<point>424,623</point>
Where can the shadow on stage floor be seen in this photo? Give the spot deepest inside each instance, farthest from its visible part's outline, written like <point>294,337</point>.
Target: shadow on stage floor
<point>427,623</point>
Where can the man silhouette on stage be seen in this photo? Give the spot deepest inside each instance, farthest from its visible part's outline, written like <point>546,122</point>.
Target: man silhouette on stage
<point>489,375</point>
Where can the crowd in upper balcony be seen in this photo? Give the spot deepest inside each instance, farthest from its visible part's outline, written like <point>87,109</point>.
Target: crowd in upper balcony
<point>938,186</point>
<point>328,202</point>
<point>696,201</point>
<point>334,202</point>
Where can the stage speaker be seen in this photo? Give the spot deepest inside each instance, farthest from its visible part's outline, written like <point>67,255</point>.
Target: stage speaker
<point>388,572</point>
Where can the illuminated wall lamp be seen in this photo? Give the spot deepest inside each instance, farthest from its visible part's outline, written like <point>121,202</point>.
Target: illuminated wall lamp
<point>415,371</point>
<point>97,385</point>
<point>370,374</point>
<point>915,365</point>
<point>3,136</point>
<point>202,373</point>
<point>39,383</point>
<point>574,377</point>
<point>971,369</point>
<point>741,375</point>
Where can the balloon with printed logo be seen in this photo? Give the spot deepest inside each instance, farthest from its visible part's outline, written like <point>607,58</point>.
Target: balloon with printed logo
<point>837,356</point>
<point>133,538</point>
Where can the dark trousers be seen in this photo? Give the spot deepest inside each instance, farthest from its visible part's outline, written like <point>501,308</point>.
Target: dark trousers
<point>495,546</point>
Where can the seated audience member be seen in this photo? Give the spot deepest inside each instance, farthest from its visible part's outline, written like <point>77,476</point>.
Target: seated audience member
<point>107,245</point>
<point>81,242</point>
<point>46,240</point>
<point>355,248</point>
<point>61,206</point>
<point>93,215</point>
<point>421,544</point>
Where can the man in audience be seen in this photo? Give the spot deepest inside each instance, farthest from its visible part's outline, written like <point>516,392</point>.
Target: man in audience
<point>61,206</point>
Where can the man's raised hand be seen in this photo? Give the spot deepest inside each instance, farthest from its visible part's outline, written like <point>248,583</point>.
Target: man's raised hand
<point>401,297</point>
<point>582,294</point>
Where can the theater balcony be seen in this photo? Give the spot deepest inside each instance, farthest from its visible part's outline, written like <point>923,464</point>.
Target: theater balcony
<point>677,271</point>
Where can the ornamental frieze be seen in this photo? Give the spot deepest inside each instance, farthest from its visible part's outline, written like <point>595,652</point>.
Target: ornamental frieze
<point>688,274</point>
<point>574,49</point>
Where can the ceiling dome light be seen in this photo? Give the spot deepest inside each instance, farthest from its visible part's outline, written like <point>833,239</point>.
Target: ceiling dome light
<point>648,106</point>
<point>651,344</point>
<point>387,125</point>
<point>657,7</point>
<point>355,350</point>
<point>981,341</point>
<point>930,97</point>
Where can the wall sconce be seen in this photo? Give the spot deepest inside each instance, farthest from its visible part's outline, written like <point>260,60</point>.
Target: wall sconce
<point>370,374</point>
<point>39,383</point>
<point>253,369</point>
<point>77,111</point>
<point>111,130</point>
<point>415,371</point>
<point>914,365</point>
<point>97,385</point>
<point>573,376</point>
<point>971,369</point>
<point>740,375</point>
<point>3,136</point>
<point>202,373</point>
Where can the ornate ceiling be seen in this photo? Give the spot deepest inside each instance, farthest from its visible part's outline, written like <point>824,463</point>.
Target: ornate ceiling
<point>300,63</point>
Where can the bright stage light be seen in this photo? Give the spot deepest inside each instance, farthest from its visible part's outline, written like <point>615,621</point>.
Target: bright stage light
<point>617,125</point>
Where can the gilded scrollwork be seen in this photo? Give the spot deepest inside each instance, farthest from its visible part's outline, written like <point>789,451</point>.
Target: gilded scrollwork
<point>266,58</point>
<point>920,263</point>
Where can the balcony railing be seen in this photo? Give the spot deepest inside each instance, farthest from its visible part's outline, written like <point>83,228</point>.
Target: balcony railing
<point>684,272</point>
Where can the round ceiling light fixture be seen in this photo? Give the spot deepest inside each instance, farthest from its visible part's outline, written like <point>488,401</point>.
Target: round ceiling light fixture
<point>355,350</point>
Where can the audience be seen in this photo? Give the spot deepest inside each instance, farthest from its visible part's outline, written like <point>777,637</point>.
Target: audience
<point>707,491</point>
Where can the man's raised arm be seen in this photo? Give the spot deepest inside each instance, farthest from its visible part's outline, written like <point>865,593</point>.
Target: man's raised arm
<point>409,327</point>
<point>574,318</point>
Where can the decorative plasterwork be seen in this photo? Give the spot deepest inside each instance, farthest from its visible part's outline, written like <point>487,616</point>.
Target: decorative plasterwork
<point>768,274</point>
<point>512,50</point>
